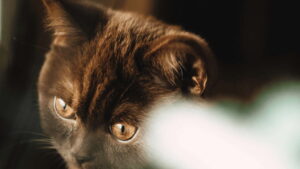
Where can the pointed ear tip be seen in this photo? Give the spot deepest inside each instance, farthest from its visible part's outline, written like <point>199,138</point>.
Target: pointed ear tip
<point>47,3</point>
<point>50,1</point>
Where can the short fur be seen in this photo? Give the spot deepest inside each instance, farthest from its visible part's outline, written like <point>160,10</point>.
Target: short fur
<point>112,66</point>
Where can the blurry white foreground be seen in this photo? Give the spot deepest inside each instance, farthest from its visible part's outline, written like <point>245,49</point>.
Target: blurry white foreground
<point>189,135</point>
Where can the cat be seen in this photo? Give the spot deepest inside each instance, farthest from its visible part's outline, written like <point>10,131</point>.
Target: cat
<point>103,73</point>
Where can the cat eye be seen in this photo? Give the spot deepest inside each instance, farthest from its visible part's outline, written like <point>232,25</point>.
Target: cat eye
<point>123,131</point>
<point>63,109</point>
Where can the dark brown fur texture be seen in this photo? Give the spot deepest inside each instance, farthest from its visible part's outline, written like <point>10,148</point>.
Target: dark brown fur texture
<point>112,66</point>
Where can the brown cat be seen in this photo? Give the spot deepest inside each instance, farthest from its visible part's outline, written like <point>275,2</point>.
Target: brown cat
<point>103,73</point>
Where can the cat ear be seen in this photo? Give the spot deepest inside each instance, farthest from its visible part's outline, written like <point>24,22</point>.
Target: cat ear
<point>182,60</point>
<point>73,22</point>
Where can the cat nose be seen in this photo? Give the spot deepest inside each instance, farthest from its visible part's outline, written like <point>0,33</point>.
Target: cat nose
<point>80,159</point>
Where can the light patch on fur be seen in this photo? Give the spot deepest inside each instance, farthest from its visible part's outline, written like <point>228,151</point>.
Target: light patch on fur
<point>60,41</point>
<point>172,67</point>
<point>171,62</point>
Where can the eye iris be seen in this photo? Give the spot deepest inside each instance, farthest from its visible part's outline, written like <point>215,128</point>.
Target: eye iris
<point>120,129</point>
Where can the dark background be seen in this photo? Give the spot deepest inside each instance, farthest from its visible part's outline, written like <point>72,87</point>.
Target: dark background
<point>256,43</point>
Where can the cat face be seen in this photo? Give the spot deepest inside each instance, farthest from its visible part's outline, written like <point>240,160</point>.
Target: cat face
<point>104,72</point>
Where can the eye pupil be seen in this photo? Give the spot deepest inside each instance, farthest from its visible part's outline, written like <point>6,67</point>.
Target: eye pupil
<point>123,129</point>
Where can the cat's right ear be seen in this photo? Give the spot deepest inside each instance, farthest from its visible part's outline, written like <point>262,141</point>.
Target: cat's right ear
<point>72,21</point>
<point>182,60</point>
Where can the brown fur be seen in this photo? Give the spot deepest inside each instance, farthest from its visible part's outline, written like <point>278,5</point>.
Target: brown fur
<point>112,66</point>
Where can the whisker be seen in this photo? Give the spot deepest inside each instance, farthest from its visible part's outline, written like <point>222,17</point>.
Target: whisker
<point>28,137</point>
<point>44,143</point>
<point>30,133</point>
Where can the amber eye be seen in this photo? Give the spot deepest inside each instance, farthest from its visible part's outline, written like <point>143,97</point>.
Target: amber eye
<point>63,110</point>
<point>123,131</point>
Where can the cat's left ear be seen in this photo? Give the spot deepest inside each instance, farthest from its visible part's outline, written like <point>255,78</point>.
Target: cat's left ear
<point>184,61</point>
<point>73,21</point>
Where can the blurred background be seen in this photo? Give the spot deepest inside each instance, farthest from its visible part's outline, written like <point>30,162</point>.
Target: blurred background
<point>256,44</point>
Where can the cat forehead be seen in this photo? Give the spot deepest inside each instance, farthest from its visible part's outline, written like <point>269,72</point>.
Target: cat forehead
<point>125,28</point>
<point>113,52</point>
<point>116,48</point>
<point>120,38</point>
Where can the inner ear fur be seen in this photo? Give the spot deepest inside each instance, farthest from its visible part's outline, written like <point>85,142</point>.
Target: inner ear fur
<point>183,60</point>
<point>73,21</point>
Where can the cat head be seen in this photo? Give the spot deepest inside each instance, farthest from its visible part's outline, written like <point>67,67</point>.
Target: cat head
<point>104,72</point>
